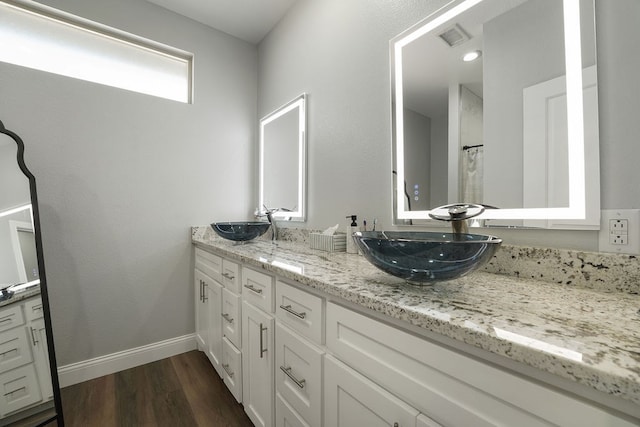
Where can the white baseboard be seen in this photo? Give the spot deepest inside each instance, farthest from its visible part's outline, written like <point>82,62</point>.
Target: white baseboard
<point>104,365</point>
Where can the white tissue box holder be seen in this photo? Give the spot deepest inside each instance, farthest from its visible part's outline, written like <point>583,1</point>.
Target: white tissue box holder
<point>323,242</point>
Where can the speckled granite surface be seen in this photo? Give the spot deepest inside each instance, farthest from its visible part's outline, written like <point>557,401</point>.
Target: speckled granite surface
<point>21,296</point>
<point>586,335</point>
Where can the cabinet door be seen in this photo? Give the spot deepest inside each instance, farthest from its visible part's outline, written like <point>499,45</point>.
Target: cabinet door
<point>41,357</point>
<point>257,365</point>
<point>353,400</point>
<point>213,291</point>
<point>202,313</point>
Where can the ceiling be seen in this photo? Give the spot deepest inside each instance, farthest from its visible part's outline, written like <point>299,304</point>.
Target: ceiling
<point>249,20</point>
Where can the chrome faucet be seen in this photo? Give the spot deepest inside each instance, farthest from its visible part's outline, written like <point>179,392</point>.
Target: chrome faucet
<point>268,213</point>
<point>457,214</point>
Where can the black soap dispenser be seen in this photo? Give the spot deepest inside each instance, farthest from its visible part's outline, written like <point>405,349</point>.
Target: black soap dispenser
<point>352,228</point>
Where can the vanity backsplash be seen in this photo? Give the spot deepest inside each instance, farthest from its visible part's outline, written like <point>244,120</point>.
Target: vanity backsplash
<point>592,270</point>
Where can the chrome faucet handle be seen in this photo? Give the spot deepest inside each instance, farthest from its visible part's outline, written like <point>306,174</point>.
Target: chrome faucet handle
<point>456,212</point>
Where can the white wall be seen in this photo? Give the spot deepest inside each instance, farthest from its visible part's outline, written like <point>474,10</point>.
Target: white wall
<point>122,176</point>
<point>338,52</point>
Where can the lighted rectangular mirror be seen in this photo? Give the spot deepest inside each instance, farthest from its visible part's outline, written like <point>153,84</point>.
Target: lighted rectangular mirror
<point>515,128</point>
<point>283,161</point>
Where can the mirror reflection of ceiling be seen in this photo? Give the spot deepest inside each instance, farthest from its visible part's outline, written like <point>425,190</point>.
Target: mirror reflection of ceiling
<point>428,92</point>
<point>490,102</point>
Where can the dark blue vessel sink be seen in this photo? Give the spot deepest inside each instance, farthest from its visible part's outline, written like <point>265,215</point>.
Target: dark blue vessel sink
<point>426,256</point>
<point>240,231</point>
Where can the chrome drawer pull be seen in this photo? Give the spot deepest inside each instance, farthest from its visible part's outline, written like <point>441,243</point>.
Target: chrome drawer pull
<point>288,309</point>
<point>225,366</point>
<point>204,291</point>
<point>299,383</point>
<point>262,350</point>
<point>228,276</point>
<point>227,317</point>
<point>33,337</point>
<point>254,289</point>
<point>15,391</point>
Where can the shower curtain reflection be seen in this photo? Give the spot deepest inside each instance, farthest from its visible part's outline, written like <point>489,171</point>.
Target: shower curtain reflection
<point>472,174</point>
<point>471,140</point>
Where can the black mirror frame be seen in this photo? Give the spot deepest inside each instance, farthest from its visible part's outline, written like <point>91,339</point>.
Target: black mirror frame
<point>43,281</point>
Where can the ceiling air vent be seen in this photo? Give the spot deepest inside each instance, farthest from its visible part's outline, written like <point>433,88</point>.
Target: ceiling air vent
<point>454,35</point>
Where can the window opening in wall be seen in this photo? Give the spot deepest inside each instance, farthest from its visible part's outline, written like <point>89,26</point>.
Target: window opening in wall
<point>46,39</point>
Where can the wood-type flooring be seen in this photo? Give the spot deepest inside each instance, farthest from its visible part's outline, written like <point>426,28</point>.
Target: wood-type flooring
<point>183,390</point>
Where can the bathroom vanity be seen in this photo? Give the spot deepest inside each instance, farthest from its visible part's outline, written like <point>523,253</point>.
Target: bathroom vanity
<point>309,338</point>
<point>24,357</point>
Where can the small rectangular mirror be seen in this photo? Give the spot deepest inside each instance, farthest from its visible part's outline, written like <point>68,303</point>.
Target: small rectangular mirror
<point>283,161</point>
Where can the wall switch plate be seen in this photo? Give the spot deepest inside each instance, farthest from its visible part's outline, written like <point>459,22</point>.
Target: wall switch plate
<point>620,231</point>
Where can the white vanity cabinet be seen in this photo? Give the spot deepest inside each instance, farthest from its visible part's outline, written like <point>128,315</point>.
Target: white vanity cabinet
<point>299,354</point>
<point>301,357</point>
<point>353,400</point>
<point>209,307</point>
<point>258,364</point>
<point>24,363</point>
<point>298,378</point>
<point>231,318</point>
<point>35,321</point>
<point>447,386</point>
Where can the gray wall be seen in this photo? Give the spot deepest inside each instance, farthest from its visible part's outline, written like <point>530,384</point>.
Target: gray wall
<point>122,176</point>
<point>338,52</point>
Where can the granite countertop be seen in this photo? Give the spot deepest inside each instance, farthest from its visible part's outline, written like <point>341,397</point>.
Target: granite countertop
<point>21,295</point>
<point>584,335</point>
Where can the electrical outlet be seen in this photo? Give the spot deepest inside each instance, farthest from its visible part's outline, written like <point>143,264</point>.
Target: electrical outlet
<point>618,239</point>
<point>618,225</point>
<point>620,231</point>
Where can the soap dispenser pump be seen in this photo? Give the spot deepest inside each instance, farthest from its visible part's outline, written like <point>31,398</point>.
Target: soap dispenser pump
<point>352,228</point>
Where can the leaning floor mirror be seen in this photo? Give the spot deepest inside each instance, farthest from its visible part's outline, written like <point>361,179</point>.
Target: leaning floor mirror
<point>29,388</point>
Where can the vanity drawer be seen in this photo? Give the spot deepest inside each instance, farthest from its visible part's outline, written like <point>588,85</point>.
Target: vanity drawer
<point>15,349</point>
<point>209,264</point>
<point>11,317</point>
<point>300,310</point>
<point>232,368</point>
<point>231,276</point>
<point>18,389</point>
<point>231,317</point>
<point>257,289</point>
<point>448,386</point>
<point>33,309</point>
<point>299,374</point>
<point>286,415</point>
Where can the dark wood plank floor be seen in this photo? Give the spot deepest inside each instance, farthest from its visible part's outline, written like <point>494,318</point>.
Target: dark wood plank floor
<point>183,390</point>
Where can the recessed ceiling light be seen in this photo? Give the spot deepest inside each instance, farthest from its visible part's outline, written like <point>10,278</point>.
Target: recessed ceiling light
<point>471,56</point>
